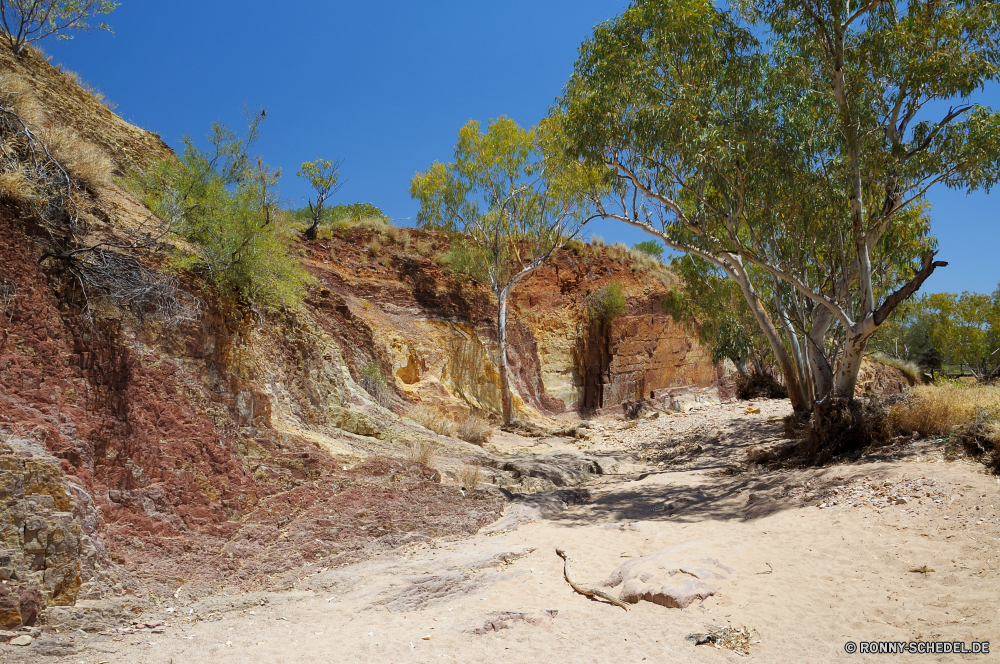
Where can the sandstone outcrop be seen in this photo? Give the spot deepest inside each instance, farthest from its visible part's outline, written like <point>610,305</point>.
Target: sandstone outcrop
<point>132,453</point>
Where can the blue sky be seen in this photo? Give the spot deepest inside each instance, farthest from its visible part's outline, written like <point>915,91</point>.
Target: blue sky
<point>386,85</point>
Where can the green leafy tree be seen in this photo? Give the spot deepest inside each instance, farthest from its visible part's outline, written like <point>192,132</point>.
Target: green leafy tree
<point>27,21</point>
<point>799,170</point>
<point>650,248</point>
<point>323,175</point>
<point>225,201</point>
<point>513,199</point>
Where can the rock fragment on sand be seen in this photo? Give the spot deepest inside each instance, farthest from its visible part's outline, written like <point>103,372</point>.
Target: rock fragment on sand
<point>665,578</point>
<point>23,640</point>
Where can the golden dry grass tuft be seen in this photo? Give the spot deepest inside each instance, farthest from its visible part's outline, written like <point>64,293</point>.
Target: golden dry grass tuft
<point>375,246</point>
<point>423,247</point>
<point>475,429</point>
<point>912,372</point>
<point>434,419</point>
<point>422,451</point>
<point>469,476</point>
<point>15,187</point>
<point>935,410</point>
<point>86,162</point>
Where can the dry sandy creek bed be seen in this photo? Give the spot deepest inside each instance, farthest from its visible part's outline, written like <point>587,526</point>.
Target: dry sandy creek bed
<point>819,557</point>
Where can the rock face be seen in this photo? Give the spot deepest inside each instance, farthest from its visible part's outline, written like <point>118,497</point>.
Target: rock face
<point>43,544</point>
<point>667,577</point>
<point>127,444</point>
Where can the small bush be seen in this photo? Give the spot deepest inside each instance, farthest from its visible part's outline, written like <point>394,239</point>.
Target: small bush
<point>374,246</point>
<point>575,247</point>
<point>422,247</point>
<point>375,384</point>
<point>597,241</point>
<point>469,477</point>
<point>759,385</point>
<point>475,429</point>
<point>421,452</point>
<point>434,419</point>
<point>650,248</point>
<point>607,303</point>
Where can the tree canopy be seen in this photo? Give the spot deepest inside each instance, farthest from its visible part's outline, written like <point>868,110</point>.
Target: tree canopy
<point>513,199</point>
<point>27,21</point>
<point>796,166</point>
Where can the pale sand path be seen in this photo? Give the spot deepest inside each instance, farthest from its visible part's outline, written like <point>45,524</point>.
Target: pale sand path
<point>839,574</point>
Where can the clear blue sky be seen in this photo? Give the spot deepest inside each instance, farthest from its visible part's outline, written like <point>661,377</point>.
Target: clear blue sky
<point>385,86</point>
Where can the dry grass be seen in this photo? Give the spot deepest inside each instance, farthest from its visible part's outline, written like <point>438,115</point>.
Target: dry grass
<point>912,372</point>
<point>90,89</point>
<point>421,452</point>
<point>475,429</point>
<point>15,187</point>
<point>85,162</point>
<point>469,477</point>
<point>423,247</point>
<point>434,419</point>
<point>597,241</point>
<point>935,410</point>
<point>399,236</point>
<point>375,246</point>
<point>377,224</point>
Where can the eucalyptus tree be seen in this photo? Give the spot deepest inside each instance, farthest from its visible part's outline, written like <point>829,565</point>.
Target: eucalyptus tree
<point>513,199</point>
<point>799,167</point>
<point>26,21</point>
<point>324,177</point>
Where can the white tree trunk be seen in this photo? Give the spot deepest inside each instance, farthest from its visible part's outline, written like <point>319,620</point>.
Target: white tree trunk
<point>505,397</point>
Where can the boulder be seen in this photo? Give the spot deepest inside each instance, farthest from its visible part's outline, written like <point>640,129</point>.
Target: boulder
<point>666,578</point>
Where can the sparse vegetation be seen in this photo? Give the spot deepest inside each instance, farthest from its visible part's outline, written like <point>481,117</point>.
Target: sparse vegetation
<point>225,201</point>
<point>469,476</point>
<point>374,383</point>
<point>433,419</point>
<point>607,303</point>
<point>85,161</point>
<point>474,429</point>
<point>25,21</point>
<point>422,451</point>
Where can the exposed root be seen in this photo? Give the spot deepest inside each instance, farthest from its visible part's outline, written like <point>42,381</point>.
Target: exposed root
<point>589,592</point>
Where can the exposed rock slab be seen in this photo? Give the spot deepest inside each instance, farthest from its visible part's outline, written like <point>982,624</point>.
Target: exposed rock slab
<point>666,578</point>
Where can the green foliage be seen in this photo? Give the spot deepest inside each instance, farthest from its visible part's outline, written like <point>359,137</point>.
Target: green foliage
<point>650,248</point>
<point>323,176</point>
<point>343,217</point>
<point>797,167</point>
<point>607,303</point>
<point>25,21</point>
<point>226,203</point>
<point>713,307</point>
<point>511,194</point>
<point>959,331</point>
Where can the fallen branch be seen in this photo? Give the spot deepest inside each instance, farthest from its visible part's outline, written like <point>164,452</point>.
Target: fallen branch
<point>585,591</point>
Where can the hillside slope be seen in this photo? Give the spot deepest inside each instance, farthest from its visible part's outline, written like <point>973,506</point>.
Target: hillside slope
<point>139,457</point>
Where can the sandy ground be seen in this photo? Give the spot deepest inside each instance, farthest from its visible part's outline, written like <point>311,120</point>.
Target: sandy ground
<point>807,579</point>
